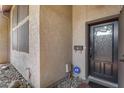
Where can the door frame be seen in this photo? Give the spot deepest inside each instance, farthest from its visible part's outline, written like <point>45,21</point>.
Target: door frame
<point>87,38</point>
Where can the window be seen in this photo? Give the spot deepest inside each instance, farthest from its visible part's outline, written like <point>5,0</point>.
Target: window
<point>14,17</point>
<point>23,12</point>
<point>14,40</point>
<point>23,37</point>
<point>20,33</point>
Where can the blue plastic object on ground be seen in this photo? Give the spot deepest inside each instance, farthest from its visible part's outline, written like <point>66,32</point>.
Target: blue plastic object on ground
<point>76,70</point>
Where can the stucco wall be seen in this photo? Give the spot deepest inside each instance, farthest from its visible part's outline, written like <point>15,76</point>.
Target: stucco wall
<point>82,14</point>
<point>56,42</point>
<point>50,50</point>
<point>4,39</point>
<point>31,60</point>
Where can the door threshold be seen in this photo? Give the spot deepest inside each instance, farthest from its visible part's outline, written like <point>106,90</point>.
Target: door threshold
<point>102,82</point>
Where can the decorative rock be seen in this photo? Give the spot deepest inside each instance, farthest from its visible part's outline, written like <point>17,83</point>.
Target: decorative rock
<point>5,67</point>
<point>0,72</point>
<point>14,84</point>
<point>10,77</point>
<point>66,83</point>
<point>0,82</point>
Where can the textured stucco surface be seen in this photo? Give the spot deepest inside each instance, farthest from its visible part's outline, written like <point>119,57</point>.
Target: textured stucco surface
<point>50,41</point>
<point>31,60</point>
<point>56,42</point>
<point>82,14</point>
<point>4,39</point>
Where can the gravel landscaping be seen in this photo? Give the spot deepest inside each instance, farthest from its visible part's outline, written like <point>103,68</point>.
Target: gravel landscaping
<point>11,78</point>
<point>70,83</point>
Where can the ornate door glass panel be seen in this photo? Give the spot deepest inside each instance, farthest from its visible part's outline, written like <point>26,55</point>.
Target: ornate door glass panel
<point>103,43</point>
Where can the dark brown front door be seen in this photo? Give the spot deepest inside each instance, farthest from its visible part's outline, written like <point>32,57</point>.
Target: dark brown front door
<point>103,51</point>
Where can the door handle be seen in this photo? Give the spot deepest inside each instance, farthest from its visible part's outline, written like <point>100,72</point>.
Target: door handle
<point>121,60</point>
<point>91,52</point>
